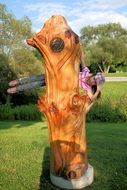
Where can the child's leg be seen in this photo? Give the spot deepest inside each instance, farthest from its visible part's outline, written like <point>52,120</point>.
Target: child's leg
<point>27,80</point>
<point>27,86</point>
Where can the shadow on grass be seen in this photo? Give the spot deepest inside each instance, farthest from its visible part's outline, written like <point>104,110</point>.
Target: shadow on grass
<point>45,183</point>
<point>16,124</point>
<point>111,165</point>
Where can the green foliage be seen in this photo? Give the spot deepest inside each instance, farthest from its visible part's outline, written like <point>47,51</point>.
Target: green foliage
<point>6,74</point>
<point>92,34</point>
<point>100,58</point>
<point>118,74</point>
<point>25,63</point>
<point>6,112</point>
<point>111,107</point>
<point>5,70</point>
<point>106,50</point>
<point>106,46</point>
<point>24,112</point>
<point>112,104</point>
<point>16,58</point>
<point>107,112</point>
<point>13,31</point>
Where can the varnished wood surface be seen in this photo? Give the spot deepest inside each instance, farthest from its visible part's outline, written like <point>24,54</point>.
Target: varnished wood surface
<point>62,104</point>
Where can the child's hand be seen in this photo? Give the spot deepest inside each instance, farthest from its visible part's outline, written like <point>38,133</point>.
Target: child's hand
<point>100,80</point>
<point>100,86</point>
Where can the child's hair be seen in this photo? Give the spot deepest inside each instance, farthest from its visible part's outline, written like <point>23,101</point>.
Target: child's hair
<point>80,67</point>
<point>94,89</point>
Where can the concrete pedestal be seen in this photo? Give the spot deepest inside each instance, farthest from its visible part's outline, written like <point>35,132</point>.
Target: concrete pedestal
<point>82,182</point>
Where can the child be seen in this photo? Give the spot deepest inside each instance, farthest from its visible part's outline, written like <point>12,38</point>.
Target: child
<point>91,84</point>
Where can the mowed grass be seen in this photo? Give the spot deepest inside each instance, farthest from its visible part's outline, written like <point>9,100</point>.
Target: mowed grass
<point>121,74</point>
<point>114,91</point>
<point>25,155</point>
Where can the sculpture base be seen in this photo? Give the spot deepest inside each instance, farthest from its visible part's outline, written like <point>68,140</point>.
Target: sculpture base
<point>80,183</point>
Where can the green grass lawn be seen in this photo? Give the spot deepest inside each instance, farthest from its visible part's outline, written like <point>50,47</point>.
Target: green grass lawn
<point>114,90</point>
<point>25,154</point>
<point>121,74</point>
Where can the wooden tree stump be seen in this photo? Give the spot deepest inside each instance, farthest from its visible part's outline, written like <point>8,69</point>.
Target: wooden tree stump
<point>62,104</point>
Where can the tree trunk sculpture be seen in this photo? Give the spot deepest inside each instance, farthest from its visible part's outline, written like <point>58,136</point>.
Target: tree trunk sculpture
<point>63,106</point>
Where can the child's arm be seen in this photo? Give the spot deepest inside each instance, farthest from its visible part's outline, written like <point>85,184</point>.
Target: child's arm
<point>83,65</point>
<point>94,96</point>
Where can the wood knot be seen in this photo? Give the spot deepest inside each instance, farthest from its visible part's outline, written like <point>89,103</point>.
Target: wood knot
<point>71,175</point>
<point>68,34</point>
<point>76,101</point>
<point>74,171</point>
<point>76,39</point>
<point>53,108</point>
<point>57,44</point>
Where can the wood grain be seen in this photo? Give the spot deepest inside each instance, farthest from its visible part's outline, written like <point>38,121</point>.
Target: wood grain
<point>62,104</point>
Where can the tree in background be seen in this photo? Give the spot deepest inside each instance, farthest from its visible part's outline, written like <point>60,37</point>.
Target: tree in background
<point>13,32</point>
<point>99,60</point>
<point>16,58</point>
<point>106,46</point>
<point>13,46</point>
<point>5,73</point>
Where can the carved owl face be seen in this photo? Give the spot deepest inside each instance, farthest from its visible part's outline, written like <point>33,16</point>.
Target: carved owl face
<point>56,40</point>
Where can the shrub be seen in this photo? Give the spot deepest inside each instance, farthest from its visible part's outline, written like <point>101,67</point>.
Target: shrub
<point>24,112</point>
<point>6,113</point>
<point>109,111</point>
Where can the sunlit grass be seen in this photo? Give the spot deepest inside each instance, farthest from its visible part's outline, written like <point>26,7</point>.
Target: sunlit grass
<point>114,90</point>
<point>25,156</point>
<point>121,74</point>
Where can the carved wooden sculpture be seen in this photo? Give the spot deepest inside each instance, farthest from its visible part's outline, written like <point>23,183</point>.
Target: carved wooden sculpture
<point>63,106</point>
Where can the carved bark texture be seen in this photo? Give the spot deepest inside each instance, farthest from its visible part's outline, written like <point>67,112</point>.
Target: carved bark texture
<point>62,105</point>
